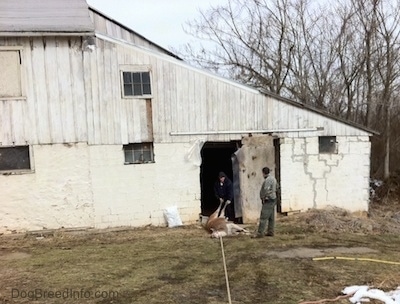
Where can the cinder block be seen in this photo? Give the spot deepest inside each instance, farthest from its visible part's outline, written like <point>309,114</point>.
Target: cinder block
<point>360,148</point>
<point>363,138</point>
<point>299,146</point>
<point>312,148</point>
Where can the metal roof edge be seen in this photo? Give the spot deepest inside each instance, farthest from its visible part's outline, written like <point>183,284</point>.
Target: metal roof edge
<point>46,33</point>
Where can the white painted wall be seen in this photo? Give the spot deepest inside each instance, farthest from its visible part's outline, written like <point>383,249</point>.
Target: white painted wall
<point>135,195</point>
<point>57,194</point>
<point>78,185</point>
<point>313,180</point>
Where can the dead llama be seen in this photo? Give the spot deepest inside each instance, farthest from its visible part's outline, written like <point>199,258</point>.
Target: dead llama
<point>218,225</point>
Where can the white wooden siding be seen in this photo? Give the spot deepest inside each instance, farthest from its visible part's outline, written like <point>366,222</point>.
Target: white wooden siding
<point>73,94</point>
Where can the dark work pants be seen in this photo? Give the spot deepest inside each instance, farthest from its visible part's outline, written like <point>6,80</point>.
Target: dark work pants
<point>267,217</point>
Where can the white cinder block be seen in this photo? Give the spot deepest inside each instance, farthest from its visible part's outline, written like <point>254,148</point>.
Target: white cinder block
<point>59,190</point>
<point>326,179</point>
<point>89,186</point>
<point>299,146</point>
<point>312,148</point>
<point>360,148</point>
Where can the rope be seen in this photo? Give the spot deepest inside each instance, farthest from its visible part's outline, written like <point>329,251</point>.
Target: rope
<point>226,272</point>
<point>356,259</point>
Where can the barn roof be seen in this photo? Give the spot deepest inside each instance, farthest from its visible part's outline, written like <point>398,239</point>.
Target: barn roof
<point>44,17</point>
<point>53,17</point>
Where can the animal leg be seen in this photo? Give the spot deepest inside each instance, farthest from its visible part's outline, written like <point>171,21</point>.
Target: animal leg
<point>216,213</point>
<point>234,229</point>
<point>221,213</point>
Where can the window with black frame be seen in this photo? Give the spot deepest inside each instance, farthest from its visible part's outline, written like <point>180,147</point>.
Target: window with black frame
<point>138,153</point>
<point>15,158</point>
<point>327,144</point>
<point>136,84</point>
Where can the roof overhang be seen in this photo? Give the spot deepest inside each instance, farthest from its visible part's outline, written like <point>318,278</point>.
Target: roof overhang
<point>41,34</point>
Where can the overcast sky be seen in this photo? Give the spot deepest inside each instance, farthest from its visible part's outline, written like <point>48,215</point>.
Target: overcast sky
<point>158,20</point>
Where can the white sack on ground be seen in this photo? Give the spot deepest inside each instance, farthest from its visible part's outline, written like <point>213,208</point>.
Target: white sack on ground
<point>172,216</point>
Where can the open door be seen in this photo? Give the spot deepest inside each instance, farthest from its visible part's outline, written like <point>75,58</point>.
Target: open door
<point>242,162</point>
<point>257,151</point>
<point>216,157</point>
<point>277,148</point>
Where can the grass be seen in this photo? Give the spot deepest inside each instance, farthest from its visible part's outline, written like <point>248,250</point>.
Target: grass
<point>183,265</point>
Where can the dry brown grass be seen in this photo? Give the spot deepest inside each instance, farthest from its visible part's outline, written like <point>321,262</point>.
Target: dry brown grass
<point>183,265</point>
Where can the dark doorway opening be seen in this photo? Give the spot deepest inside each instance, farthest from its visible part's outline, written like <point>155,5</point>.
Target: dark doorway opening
<point>216,157</point>
<point>277,148</point>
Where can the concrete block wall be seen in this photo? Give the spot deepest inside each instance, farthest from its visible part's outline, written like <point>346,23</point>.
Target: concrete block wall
<point>77,185</point>
<point>137,194</point>
<point>56,194</point>
<point>310,179</point>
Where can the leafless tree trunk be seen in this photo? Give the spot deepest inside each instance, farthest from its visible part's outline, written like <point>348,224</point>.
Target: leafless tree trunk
<point>365,12</point>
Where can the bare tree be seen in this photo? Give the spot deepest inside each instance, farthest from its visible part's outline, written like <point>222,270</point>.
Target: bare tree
<point>388,67</point>
<point>366,24</point>
<point>252,42</point>
<point>350,61</point>
<point>343,57</point>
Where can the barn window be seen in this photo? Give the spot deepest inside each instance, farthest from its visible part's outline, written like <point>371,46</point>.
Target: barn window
<point>10,73</point>
<point>136,83</point>
<point>139,153</point>
<point>327,144</point>
<point>15,158</point>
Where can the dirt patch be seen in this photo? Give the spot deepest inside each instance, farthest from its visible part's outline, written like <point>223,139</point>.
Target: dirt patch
<point>8,256</point>
<point>303,252</point>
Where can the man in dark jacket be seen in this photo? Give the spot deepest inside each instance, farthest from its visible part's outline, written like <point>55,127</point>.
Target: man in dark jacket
<point>223,189</point>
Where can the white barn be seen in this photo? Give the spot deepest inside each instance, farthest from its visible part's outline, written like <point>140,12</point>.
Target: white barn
<point>100,127</point>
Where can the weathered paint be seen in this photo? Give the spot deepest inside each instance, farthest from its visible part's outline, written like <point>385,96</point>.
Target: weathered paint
<point>312,180</point>
<point>256,153</point>
<point>73,116</point>
<point>58,193</point>
<point>76,185</point>
<point>73,94</point>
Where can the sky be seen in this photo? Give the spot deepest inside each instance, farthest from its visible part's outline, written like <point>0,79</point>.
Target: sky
<point>158,20</point>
